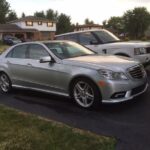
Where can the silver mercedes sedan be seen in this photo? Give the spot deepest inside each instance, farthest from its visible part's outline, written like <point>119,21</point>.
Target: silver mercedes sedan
<point>69,69</point>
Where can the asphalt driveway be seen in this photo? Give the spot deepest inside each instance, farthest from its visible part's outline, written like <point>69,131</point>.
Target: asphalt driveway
<point>128,122</point>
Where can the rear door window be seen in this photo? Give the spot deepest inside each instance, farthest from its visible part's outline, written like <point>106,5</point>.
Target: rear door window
<point>70,37</point>
<point>18,52</point>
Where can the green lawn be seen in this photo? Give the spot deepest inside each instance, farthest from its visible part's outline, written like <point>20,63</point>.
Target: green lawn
<point>22,131</point>
<point>3,47</point>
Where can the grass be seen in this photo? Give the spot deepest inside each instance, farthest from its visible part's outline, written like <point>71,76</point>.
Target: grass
<point>21,131</point>
<point>3,47</point>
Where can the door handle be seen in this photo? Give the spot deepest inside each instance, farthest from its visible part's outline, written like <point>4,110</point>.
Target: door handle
<point>104,51</point>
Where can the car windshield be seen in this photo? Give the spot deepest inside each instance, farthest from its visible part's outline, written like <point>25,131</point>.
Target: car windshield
<point>64,50</point>
<point>106,36</point>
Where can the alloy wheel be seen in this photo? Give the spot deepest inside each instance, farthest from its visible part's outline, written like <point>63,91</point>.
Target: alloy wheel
<point>4,83</point>
<point>83,94</point>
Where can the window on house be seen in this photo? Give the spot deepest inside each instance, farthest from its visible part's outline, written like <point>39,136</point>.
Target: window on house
<point>29,23</point>
<point>50,24</point>
<point>40,23</point>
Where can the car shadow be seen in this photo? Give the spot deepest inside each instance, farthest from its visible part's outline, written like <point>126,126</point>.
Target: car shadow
<point>66,105</point>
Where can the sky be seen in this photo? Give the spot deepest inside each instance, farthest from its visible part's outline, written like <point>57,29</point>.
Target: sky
<point>79,10</point>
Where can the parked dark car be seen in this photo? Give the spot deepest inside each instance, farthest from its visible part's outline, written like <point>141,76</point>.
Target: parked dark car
<point>10,40</point>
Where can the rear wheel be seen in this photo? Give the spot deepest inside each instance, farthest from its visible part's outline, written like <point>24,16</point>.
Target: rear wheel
<point>5,83</point>
<point>85,93</point>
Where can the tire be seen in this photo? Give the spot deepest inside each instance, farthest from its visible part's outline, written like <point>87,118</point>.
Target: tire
<point>85,93</point>
<point>5,83</point>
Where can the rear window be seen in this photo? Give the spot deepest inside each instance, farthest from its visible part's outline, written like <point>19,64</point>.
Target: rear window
<point>18,52</point>
<point>70,37</point>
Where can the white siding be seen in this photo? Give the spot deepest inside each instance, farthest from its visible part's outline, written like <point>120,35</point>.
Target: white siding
<point>42,27</point>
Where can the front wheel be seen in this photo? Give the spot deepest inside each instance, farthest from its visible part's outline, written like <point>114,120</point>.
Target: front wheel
<point>85,93</point>
<point>5,83</point>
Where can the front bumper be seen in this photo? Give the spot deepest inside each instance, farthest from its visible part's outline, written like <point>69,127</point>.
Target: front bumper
<point>128,96</point>
<point>120,91</point>
<point>144,59</point>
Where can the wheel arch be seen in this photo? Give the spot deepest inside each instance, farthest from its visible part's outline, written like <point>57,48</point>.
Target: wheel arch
<point>122,54</point>
<point>2,71</point>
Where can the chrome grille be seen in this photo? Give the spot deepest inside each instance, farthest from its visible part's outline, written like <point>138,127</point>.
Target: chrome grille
<point>137,72</point>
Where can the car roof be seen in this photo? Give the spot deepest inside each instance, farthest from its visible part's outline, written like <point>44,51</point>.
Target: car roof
<point>44,42</point>
<point>69,33</point>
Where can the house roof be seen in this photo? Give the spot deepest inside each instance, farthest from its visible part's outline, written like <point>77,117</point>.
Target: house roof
<point>9,28</point>
<point>31,18</point>
<point>14,28</point>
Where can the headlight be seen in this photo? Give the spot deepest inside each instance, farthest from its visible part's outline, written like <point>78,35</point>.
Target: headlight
<point>111,75</point>
<point>139,51</point>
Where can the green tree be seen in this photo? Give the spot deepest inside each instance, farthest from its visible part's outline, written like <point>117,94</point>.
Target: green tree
<point>4,10</point>
<point>11,16</point>
<point>104,23</point>
<point>51,15</point>
<point>64,24</point>
<point>136,21</point>
<point>87,21</point>
<point>116,24</point>
<point>23,15</point>
<point>40,14</point>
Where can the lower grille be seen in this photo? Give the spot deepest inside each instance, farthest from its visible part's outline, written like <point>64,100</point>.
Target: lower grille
<point>138,89</point>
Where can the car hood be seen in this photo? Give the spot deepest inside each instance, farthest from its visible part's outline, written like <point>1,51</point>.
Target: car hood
<point>116,63</point>
<point>130,44</point>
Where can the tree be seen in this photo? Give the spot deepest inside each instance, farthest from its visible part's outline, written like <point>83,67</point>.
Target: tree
<point>23,15</point>
<point>64,24</point>
<point>40,14</point>
<point>11,16</point>
<point>136,21</point>
<point>51,15</point>
<point>116,24</point>
<point>104,23</point>
<point>4,10</point>
<point>87,21</point>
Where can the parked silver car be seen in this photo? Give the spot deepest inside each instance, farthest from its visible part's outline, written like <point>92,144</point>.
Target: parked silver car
<point>69,69</point>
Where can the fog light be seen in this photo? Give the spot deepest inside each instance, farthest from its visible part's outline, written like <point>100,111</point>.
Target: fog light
<point>118,95</point>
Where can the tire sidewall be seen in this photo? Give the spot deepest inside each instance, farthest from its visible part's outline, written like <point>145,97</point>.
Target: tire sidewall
<point>10,84</point>
<point>97,94</point>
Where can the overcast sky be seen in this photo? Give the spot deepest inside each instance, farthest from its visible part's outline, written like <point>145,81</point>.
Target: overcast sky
<point>78,10</point>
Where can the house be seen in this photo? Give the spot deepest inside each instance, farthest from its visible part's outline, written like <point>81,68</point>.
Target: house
<point>87,27</point>
<point>29,28</point>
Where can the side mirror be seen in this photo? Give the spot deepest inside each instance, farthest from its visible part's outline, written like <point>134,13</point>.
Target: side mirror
<point>46,59</point>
